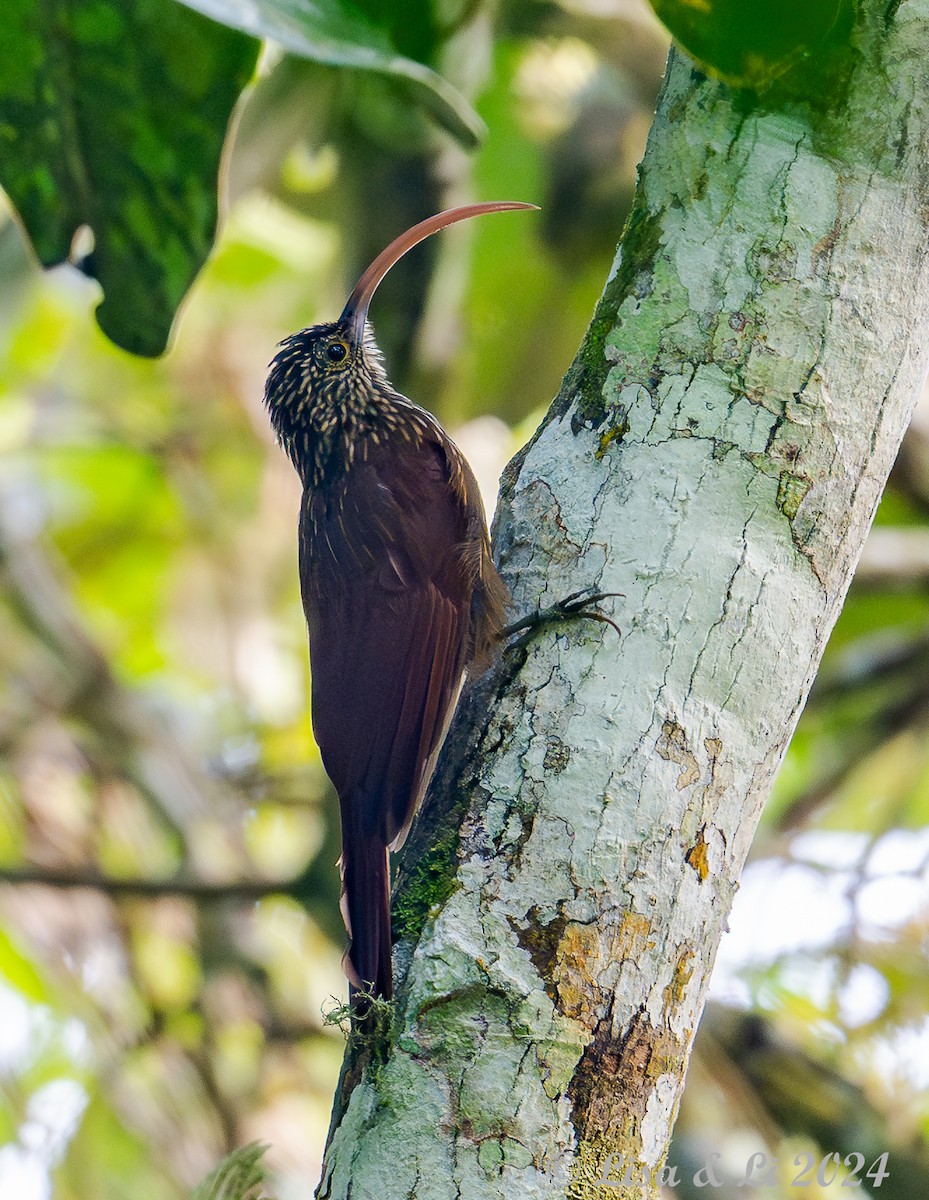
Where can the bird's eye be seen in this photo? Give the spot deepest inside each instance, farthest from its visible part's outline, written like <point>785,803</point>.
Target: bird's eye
<point>336,352</point>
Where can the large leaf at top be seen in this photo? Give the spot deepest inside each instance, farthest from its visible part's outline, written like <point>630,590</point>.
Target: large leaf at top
<point>746,42</point>
<point>332,31</point>
<point>113,115</point>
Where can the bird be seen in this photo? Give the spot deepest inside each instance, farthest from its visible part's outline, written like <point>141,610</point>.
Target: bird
<point>401,596</point>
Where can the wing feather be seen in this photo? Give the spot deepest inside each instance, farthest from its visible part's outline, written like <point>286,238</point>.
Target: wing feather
<point>387,593</point>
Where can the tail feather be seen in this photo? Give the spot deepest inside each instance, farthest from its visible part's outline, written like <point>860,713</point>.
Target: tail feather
<point>366,911</point>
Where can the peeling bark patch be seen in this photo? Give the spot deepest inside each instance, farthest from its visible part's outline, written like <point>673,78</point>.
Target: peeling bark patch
<point>577,955</point>
<point>550,529</point>
<point>613,436</point>
<point>516,832</point>
<point>697,858</point>
<point>557,755</point>
<point>721,774</point>
<point>609,1101</point>
<point>791,492</point>
<point>451,1028</point>
<point>683,970</point>
<point>490,1156</point>
<point>580,957</point>
<point>541,943</point>
<point>775,261</point>
<point>821,256</point>
<point>633,938</point>
<point>673,746</point>
<point>496,1153</point>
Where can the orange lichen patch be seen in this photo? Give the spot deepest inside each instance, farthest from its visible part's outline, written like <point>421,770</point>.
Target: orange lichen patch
<point>673,746</point>
<point>577,964</point>
<point>697,856</point>
<point>632,937</point>
<point>581,956</point>
<point>683,971</point>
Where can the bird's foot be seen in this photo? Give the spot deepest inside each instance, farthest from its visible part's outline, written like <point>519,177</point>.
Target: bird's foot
<point>579,604</point>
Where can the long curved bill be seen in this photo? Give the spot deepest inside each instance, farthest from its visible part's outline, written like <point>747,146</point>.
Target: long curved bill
<point>355,312</point>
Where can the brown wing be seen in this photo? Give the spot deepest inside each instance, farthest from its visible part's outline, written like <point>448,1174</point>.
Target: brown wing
<point>387,588</point>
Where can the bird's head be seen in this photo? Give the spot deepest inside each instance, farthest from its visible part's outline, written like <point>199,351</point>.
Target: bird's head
<point>326,374</point>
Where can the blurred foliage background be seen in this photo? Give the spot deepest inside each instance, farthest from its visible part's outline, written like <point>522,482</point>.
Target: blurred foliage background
<point>169,928</point>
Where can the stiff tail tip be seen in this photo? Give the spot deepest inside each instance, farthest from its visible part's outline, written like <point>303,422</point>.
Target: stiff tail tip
<point>366,910</point>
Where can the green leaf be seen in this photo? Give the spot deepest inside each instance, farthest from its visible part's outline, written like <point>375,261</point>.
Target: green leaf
<point>113,115</point>
<point>333,32</point>
<point>19,972</point>
<point>745,42</point>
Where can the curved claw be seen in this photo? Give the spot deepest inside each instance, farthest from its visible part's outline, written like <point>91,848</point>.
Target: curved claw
<point>576,604</point>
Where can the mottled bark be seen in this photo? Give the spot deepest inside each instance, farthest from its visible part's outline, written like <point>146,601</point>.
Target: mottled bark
<point>716,454</point>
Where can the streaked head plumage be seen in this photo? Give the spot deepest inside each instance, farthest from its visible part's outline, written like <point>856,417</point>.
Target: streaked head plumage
<point>327,382</point>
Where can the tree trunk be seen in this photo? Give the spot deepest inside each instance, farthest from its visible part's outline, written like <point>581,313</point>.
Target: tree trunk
<point>716,454</point>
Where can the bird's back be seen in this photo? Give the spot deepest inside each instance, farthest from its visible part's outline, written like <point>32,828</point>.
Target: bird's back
<point>388,572</point>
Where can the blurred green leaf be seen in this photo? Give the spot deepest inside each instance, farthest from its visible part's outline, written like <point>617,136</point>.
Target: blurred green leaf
<point>113,115</point>
<point>744,42</point>
<point>168,970</point>
<point>336,33</point>
<point>9,1123</point>
<point>19,972</point>
<point>117,520</point>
